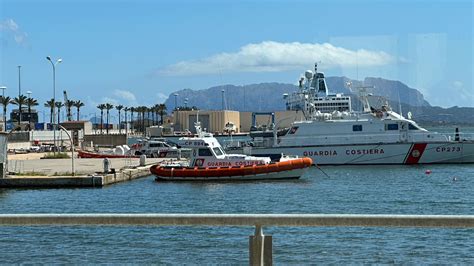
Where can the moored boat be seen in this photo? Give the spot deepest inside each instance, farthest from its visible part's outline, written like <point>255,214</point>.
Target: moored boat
<point>89,154</point>
<point>334,134</point>
<point>152,148</point>
<point>208,162</point>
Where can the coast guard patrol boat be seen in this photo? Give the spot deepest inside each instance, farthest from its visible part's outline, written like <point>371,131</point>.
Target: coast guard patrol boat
<point>334,134</point>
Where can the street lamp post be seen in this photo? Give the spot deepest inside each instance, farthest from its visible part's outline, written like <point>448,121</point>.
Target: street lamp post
<point>54,98</point>
<point>3,88</point>
<point>223,92</point>
<point>19,83</point>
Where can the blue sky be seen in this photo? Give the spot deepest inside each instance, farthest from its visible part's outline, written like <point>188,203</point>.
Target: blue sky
<point>138,52</point>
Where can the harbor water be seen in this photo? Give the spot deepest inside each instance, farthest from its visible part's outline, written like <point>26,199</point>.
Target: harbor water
<point>448,189</point>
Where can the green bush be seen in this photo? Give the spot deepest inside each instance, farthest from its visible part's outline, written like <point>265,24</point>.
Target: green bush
<point>58,155</point>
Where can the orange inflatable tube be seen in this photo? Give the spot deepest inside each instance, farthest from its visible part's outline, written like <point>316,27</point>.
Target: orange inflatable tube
<point>168,171</point>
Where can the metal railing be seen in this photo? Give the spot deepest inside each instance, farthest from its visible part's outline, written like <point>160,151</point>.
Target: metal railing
<point>260,246</point>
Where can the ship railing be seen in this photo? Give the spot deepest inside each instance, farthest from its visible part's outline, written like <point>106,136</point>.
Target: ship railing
<point>343,139</point>
<point>260,245</point>
<point>353,139</point>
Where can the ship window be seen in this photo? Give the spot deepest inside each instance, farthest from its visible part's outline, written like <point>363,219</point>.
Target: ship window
<point>392,127</point>
<point>217,151</point>
<point>293,130</point>
<point>412,127</point>
<point>205,152</point>
<point>155,145</point>
<point>356,127</point>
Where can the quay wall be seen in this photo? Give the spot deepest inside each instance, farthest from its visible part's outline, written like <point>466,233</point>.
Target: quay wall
<point>96,180</point>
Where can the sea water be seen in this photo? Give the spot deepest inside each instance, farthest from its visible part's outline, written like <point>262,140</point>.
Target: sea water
<point>343,190</point>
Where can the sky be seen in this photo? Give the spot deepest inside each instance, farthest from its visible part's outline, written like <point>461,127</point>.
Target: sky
<point>139,52</point>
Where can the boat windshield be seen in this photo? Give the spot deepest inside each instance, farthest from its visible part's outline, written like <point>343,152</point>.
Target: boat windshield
<point>218,151</point>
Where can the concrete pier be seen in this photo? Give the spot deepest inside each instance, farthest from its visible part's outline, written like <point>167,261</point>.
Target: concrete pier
<point>56,173</point>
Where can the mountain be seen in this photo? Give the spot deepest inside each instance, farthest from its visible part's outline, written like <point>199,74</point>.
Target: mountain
<point>266,97</point>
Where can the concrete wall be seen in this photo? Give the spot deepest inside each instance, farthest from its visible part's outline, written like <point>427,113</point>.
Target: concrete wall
<point>217,119</point>
<point>3,153</point>
<point>41,136</point>
<point>106,140</point>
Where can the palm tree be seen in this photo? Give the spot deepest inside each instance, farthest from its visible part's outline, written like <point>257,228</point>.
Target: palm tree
<point>126,109</point>
<point>30,102</point>
<point>20,101</point>
<point>59,105</point>
<point>119,108</point>
<point>141,110</point>
<point>51,105</point>
<point>162,110</point>
<point>69,104</point>
<point>144,112</point>
<point>132,109</point>
<point>78,104</point>
<point>108,106</point>
<point>101,108</point>
<point>5,101</point>
<point>148,111</point>
<point>154,114</point>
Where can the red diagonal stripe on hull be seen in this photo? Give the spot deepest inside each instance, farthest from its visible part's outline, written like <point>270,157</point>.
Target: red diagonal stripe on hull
<point>415,153</point>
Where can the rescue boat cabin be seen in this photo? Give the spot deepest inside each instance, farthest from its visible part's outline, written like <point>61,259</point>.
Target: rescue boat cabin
<point>206,151</point>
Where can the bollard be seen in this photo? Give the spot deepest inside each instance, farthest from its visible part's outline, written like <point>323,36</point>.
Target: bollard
<point>142,159</point>
<point>106,165</point>
<point>260,248</point>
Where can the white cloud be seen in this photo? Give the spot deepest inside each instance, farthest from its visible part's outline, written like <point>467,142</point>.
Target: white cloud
<point>10,26</point>
<point>161,97</point>
<point>458,84</point>
<point>112,101</point>
<point>270,56</point>
<point>125,95</point>
<point>466,97</point>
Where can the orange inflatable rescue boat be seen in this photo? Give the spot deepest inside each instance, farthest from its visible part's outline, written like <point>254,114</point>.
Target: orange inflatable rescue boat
<point>208,162</point>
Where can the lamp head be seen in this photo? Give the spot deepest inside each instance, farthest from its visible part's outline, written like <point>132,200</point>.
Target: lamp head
<point>59,60</point>
<point>48,57</point>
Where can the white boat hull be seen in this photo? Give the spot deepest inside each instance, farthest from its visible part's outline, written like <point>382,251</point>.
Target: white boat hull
<point>368,154</point>
<point>290,174</point>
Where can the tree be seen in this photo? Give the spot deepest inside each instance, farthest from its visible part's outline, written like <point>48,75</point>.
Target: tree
<point>132,109</point>
<point>69,104</point>
<point>59,105</point>
<point>162,111</point>
<point>108,106</point>
<point>101,108</point>
<point>153,111</point>
<point>20,101</point>
<point>51,105</point>
<point>119,108</point>
<point>5,101</point>
<point>30,102</point>
<point>78,104</point>
<point>141,110</point>
<point>126,109</point>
